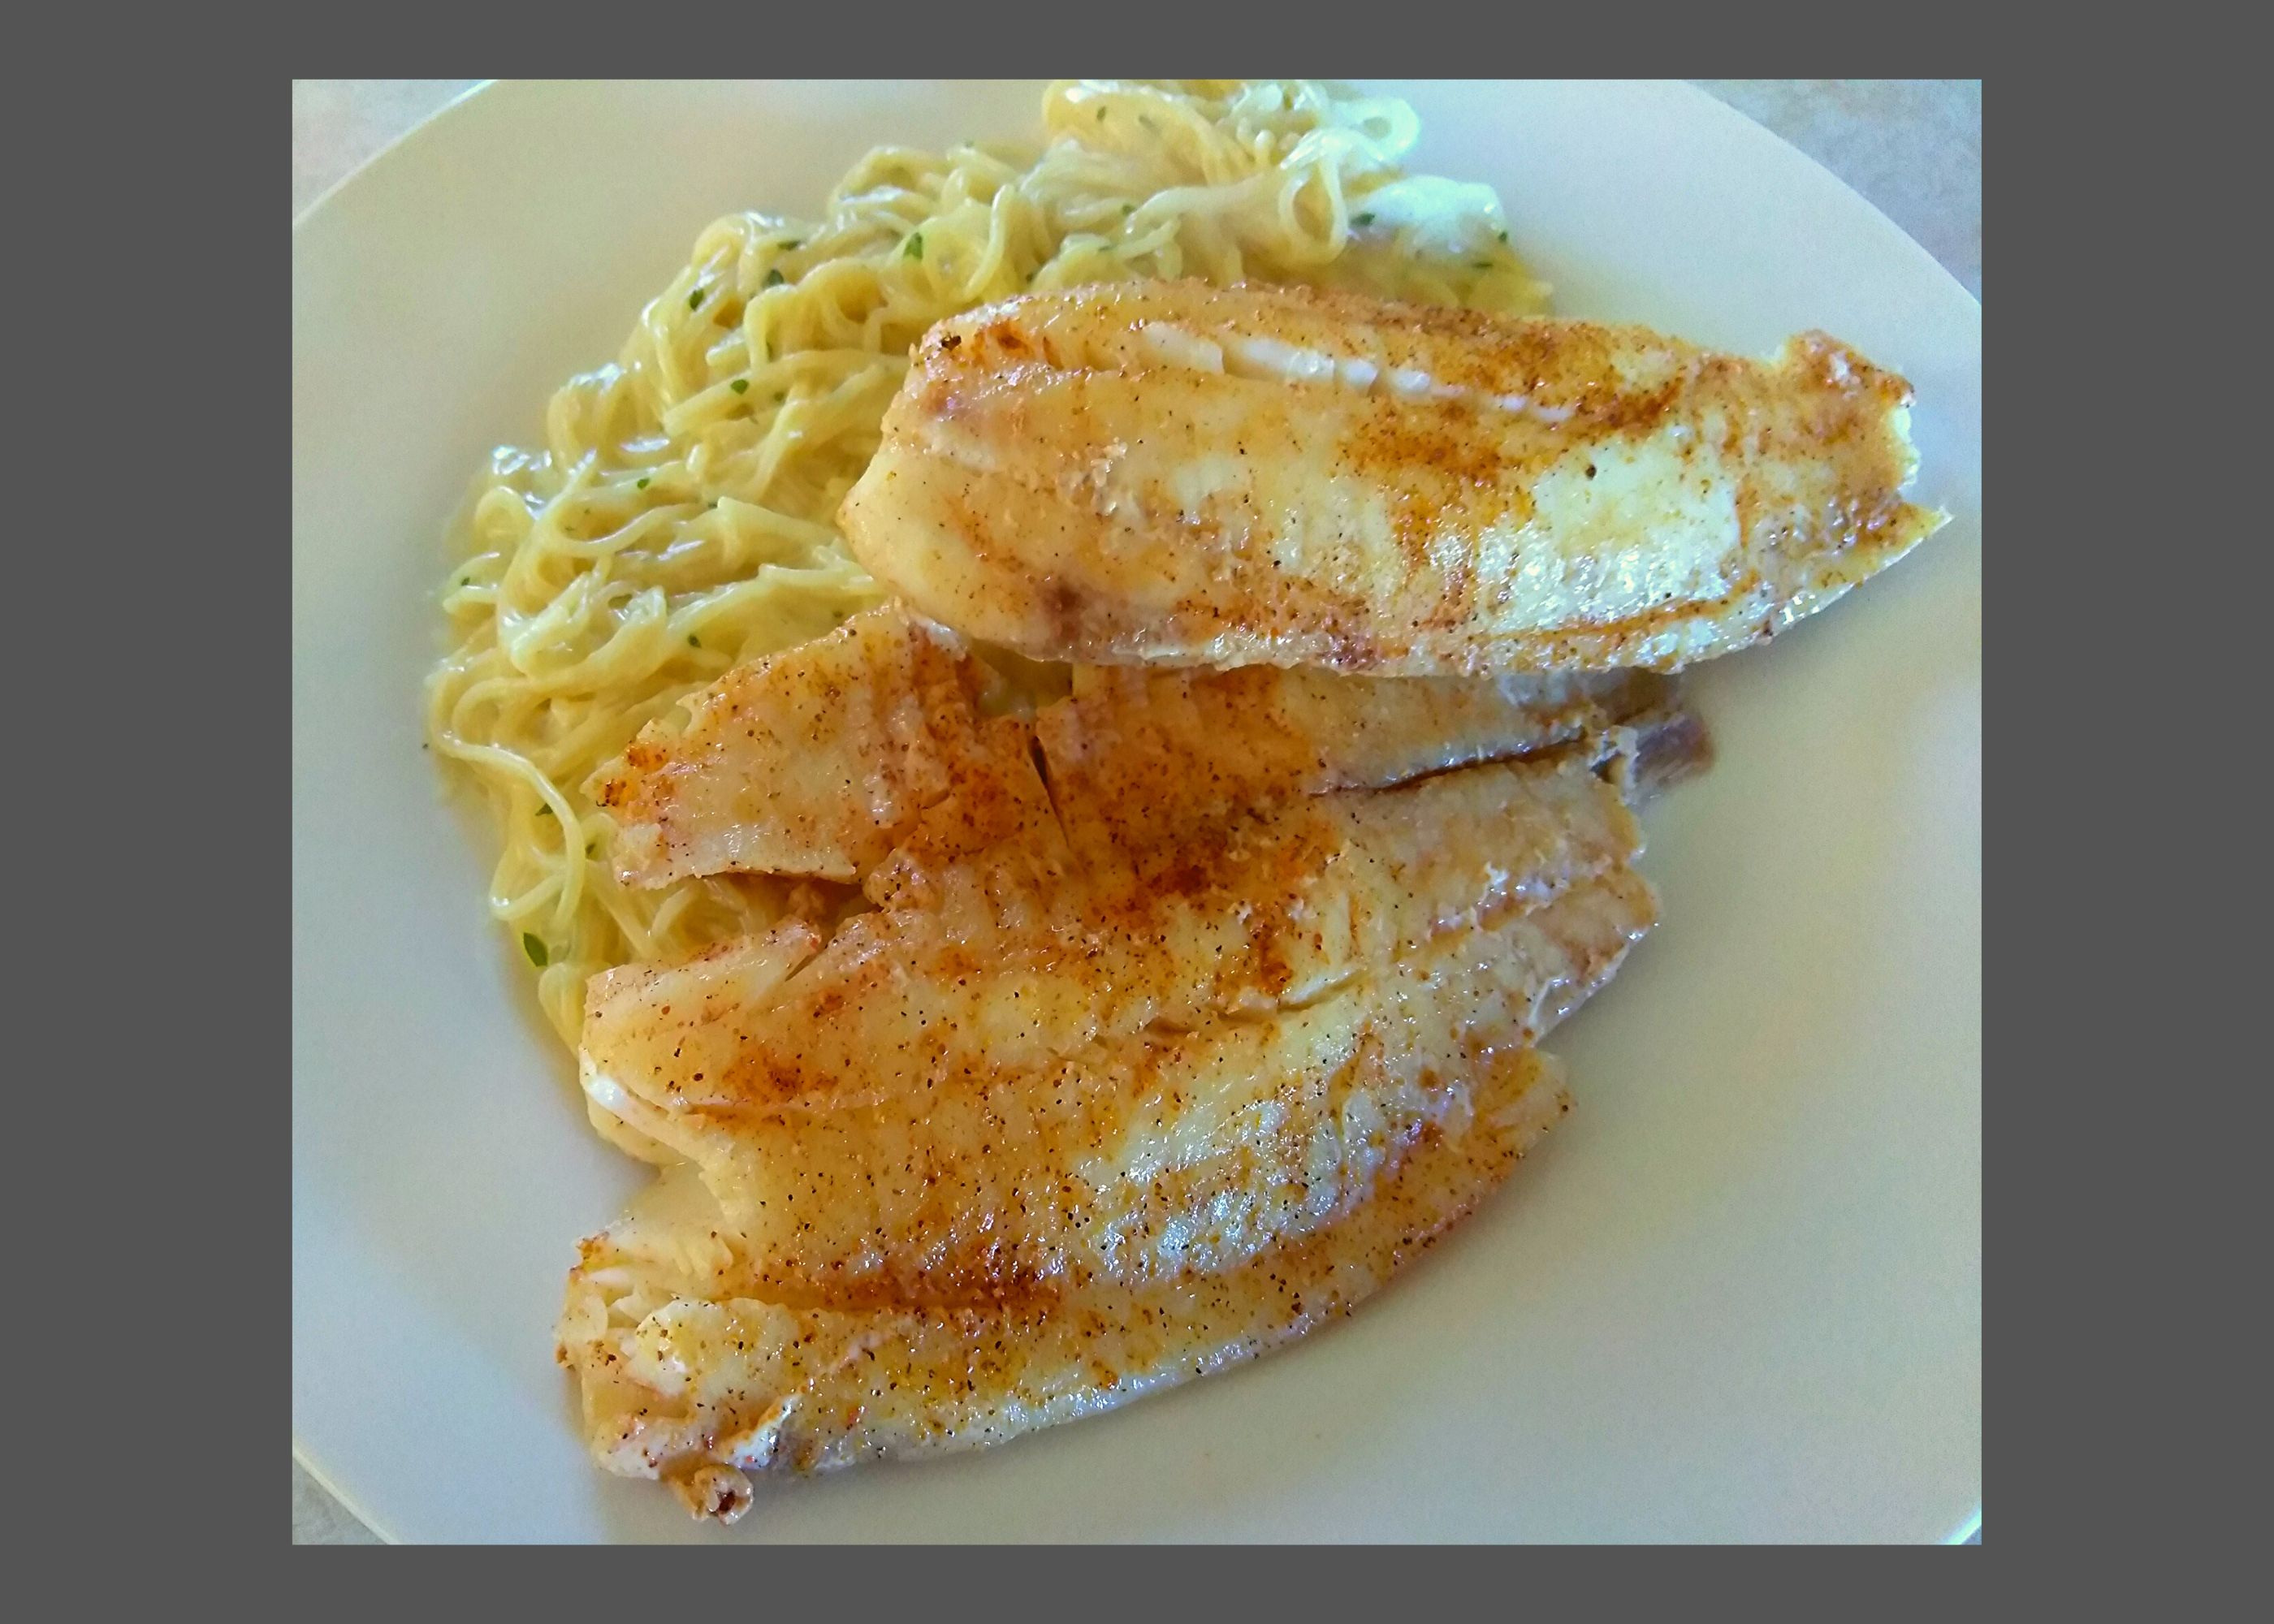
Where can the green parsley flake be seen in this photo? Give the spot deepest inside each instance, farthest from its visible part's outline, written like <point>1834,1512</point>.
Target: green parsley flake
<point>739,385</point>
<point>1503,236</point>
<point>695,299</point>
<point>642,485</point>
<point>1361,220</point>
<point>535,949</point>
<point>914,248</point>
<point>1101,115</point>
<point>693,642</point>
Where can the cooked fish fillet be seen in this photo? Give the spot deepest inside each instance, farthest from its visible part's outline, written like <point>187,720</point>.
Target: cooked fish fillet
<point>691,1373</point>
<point>1168,472</point>
<point>1025,1079</point>
<point>816,762</point>
<point>1275,908</point>
<point>1146,749</point>
<point>825,759</point>
<point>1132,795</point>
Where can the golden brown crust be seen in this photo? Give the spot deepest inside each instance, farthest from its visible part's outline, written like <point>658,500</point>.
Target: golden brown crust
<point>1288,478</point>
<point>692,1374</point>
<point>966,1094</point>
<point>816,762</point>
<point>863,758</point>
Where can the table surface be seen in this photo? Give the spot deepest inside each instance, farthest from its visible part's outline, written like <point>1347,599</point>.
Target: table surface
<point>1912,146</point>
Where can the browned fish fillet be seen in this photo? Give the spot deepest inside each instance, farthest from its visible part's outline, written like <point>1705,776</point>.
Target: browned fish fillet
<point>825,758</point>
<point>1030,1079</point>
<point>1168,472</point>
<point>1146,750</point>
<point>815,762</point>
<point>692,1373</point>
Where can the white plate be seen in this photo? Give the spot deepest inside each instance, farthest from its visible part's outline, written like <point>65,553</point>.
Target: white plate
<point>1737,1296</point>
